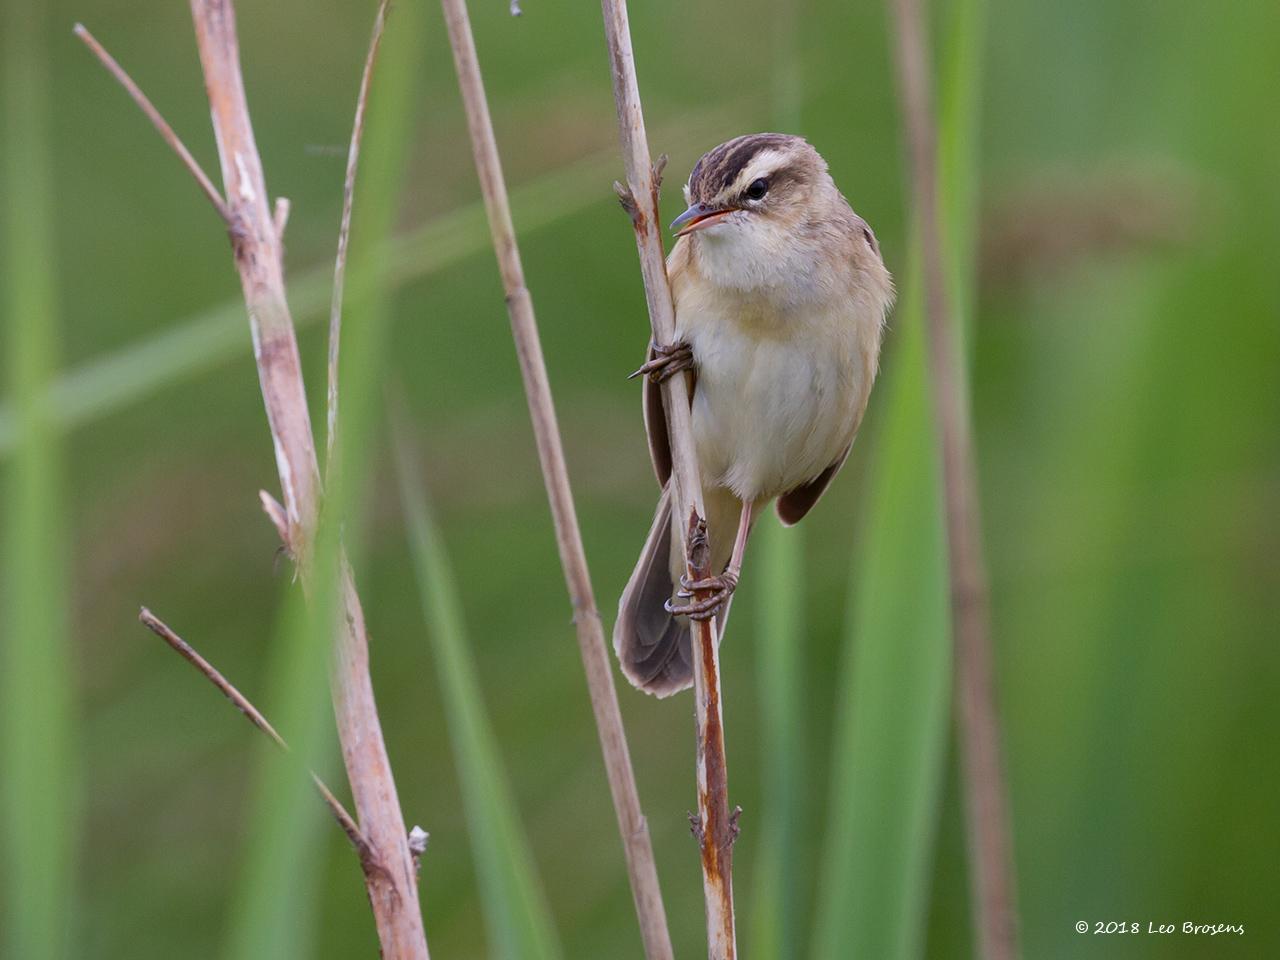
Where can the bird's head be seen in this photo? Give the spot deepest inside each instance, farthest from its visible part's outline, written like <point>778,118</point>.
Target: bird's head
<point>757,187</point>
<point>764,213</point>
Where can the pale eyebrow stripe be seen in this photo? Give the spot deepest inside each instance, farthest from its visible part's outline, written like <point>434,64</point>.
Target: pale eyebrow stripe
<point>766,162</point>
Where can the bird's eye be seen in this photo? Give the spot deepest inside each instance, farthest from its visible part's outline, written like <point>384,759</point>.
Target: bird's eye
<point>758,189</point>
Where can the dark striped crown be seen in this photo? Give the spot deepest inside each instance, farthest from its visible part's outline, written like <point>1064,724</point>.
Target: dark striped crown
<point>720,168</point>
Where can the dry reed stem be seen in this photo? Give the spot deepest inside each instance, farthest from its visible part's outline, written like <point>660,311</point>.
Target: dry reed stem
<point>392,886</point>
<point>389,869</point>
<point>641,866</point>
<point>344,231</point>
<point>254,716</point>
<point>715,827</point>
<point>990,845</point>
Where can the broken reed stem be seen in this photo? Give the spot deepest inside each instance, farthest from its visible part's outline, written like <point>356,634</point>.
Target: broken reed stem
<point>254,716</point>
<point>991,850</point>
<point>641,866</point>
<point>157,121</point>
<point>715,828</point>
<point>390,871</point>
<point>344,232</point>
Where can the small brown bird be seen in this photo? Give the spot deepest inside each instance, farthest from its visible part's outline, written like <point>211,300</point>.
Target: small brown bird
<point>780,296</point>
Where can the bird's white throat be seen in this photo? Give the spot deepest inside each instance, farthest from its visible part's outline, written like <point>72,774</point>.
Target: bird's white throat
<point>748,254</point>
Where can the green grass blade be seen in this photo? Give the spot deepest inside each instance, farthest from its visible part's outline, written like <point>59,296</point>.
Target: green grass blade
<point>273,911</point>
<point>38,802</point>
<point>778,890</point>
<point>958,92</point>
<point>895,693</point>
<point>891,740</point>
<point>517,918</point>
<point>777,900</point>
<point>276,899</point>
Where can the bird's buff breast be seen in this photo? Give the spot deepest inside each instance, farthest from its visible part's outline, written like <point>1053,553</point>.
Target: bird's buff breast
<point>779,391</point>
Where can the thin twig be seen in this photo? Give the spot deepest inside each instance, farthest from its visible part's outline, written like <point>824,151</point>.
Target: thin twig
<point>991,848</point>
<point>390,872</point>
<point>344,231</point>
<point>157,121</point>
<point>276,514</point>
<point>641,865</point>
<point>280,216</point>
<point>254,715</point>
<point>716,829</point>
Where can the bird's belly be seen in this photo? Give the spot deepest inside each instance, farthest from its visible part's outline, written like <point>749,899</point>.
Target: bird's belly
<point>772,413</point>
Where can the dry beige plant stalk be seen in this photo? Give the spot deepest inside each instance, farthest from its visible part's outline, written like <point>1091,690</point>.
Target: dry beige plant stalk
<point>641,866</point>
<point>389,869</point>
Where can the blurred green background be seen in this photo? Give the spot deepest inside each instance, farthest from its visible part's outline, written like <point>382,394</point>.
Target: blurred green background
<point>1124,316</point>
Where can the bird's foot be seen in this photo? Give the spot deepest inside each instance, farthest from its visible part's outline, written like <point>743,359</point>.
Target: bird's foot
<point>668,360</point>
<point>721,588</point>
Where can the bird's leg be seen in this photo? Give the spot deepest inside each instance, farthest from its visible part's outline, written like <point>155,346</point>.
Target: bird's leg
<point>722,585</point>
<point>668,360</point>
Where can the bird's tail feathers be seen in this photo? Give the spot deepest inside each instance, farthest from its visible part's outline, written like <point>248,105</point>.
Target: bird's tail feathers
<point>652,645</point>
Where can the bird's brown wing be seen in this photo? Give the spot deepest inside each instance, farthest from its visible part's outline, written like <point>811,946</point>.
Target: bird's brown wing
<point>655,424</point>
<point>796,502</point>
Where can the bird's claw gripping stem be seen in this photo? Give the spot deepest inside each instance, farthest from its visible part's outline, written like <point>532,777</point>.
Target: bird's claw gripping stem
<point>668,360</point>
<point>722,587</point>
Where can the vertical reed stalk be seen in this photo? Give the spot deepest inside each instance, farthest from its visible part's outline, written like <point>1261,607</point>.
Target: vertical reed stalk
<point>991,856</point>
<point>389,869</point>
<point>714,828</point>
<point>392,877</point>
<point>524,329</point>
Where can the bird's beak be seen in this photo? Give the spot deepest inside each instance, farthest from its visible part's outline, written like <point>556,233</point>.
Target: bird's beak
<point>697,217</point>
